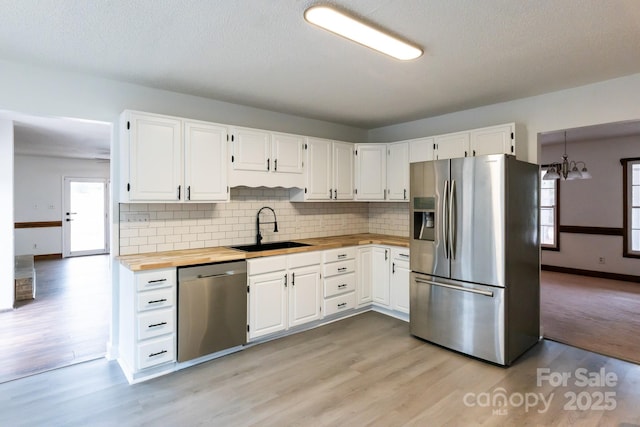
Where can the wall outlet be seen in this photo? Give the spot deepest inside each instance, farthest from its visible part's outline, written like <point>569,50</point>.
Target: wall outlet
<point>137,219</point>
<point>601,260</point>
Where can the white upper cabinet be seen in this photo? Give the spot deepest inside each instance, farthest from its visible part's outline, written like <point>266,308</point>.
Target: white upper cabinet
<point>371,166</point>
<point>168,159</point>
<point>328,171</point>
<point>451,146</point>
<point>205,175</point>
<point>266,159</point>
<point>343,176</point>
<point>421,150</point>
<point>251,150</point>
<point>398,171</point>
<point>493,140</point>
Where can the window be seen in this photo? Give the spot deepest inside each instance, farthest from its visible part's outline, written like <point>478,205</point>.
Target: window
<point>631,184</point>
<point>549,212</point>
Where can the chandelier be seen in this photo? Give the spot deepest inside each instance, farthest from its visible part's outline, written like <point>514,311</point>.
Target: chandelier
<point>567,170</point>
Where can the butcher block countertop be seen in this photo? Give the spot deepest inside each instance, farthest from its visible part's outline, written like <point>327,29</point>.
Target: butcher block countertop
<point>155,260</point>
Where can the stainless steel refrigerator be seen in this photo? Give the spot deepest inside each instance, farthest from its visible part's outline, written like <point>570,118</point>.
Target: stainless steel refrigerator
<point>475,283</point>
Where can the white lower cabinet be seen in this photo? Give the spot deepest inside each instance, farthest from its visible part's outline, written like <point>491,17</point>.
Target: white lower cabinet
<point>380,265</point>
<point>147,324</point>
<point>284,291</point>
<point>399,279</point>
<point>339,271</point>
<point>363,283</point>
<point>383,277</point>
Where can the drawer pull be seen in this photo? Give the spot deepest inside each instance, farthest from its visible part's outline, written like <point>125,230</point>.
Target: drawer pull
<point>404,255</point>
<point>340,256</point>
<point>342,305</point>
<point>344,285</point>
<point>155,325</point>
<point>341,269</point>
<point>158,353</point>
<point>156,281</point>
<point>155,301</point>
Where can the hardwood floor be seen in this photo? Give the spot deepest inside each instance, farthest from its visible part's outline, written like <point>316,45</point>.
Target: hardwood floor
<point>67,323</point>
<point>365,370</point>
<point>595,314</point>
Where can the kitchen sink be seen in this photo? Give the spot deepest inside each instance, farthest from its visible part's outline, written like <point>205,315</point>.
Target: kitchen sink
<point>269,246</point>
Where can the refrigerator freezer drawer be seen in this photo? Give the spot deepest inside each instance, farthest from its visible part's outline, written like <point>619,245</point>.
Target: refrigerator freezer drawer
<point>461,316</point>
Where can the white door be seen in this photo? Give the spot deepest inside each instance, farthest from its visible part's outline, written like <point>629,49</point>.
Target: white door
<point>205,174</point>
<point>421,150</point>
<point>251,150</point>
<point>287,153</point>
<point>452,146</point>
<point>318,169</point>
<point>400,285</point>
<point>85,224</point>
<point>155,158</point>
<point>267,304</point>
<point>343,182</point>
<point>304,295</point>
<point>380,275</point>
<point>398,171</point>
<point>492,140</point>
<point>364,267</point>
<point>371,171</point>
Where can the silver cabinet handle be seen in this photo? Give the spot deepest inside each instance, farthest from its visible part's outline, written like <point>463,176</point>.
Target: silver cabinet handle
<point>335,194</point>
<point>158,353</point>
<point>179,188</point>
<point>151,282</point>
<point>457,288</point>
<point>340,256</point>
<point>342,305</point>
<point>444,219</point>
<point>344,285</point>
<point>275,164</point>
<point>155,325</point>
<point>330,193</point>
<point>156,301</point>
<point>189,193</point>
<point>293,279</point>
<point>268,164</point>
<point>285,280</point>
<point>405,194</point>
<point>452,220</point>
<point>341,269</point>
<point>404,255</point>
<point>385,255</point>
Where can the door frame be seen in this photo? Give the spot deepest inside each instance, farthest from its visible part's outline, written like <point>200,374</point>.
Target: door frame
<point>66,200</point>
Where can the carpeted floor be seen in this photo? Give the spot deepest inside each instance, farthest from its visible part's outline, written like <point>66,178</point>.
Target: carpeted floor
<point>594,314</point>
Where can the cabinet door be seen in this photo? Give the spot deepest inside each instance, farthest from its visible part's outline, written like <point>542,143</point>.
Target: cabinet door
<point>287,153</point>
<point>155,158</point>
<point>398,171</point>
<point>363,277</point>
<point>304,295</point>
<point>399,284</point>
<point>343,183</point>
<point>492,140</point>
<point>205,162</point>
<point>267,304</point>
<point>251,150</point>
<point>380,275</point>
<point>421,150</point>
<point>452,146</point>
<point>371,167</point>
<point>318,168</point>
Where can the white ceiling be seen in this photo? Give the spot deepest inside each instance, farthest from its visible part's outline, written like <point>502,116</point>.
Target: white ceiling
<point>262,53</point>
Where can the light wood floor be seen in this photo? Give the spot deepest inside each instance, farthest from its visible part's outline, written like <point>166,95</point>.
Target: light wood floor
<point>365,370</point>
<point>595,314</point>
<point>67,323</point>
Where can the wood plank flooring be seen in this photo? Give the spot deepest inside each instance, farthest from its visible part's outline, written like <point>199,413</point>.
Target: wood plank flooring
<point>67,323</point>
<point>365,370</point>
<point>595,314</point>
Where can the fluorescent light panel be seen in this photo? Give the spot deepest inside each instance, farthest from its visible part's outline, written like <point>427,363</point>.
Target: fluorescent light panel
<point>346,26</point>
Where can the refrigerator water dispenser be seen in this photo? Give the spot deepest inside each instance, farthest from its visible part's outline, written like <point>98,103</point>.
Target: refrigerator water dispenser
<point>424,218</point>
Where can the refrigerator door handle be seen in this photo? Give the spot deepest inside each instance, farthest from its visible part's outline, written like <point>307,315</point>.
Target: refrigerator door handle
<point>452,219</point>
<point>445,218</point>
<point>457,288</point>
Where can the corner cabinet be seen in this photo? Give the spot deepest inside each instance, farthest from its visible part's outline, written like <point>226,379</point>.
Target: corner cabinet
<point>329,171</point>
<point>398,171</point>
<point>371,172</point>
<point>147,323</point>
<point>168,159</point>
<point>500,139</point>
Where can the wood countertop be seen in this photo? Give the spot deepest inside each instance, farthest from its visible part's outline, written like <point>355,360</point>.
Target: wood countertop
<point>155,260</point>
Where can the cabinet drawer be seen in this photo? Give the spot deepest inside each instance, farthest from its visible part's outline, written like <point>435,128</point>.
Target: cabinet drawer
<point>156,279</point>
<point>340,254</point>
<point>304,259</point>
<point>340,303</point>
<point>341,267</point>
<point>155,323</point>
<point>401,254</point>
<point>162,298</point>
<point>339,284</point>
<point>156,352</point>
<point>267,264</point>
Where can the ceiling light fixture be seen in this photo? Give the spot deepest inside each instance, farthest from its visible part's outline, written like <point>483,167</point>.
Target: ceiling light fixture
<point>567,170</point>
<point>346,26</point>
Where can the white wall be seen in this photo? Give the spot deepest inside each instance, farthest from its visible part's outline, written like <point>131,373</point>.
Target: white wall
<point>604,102</point>
<point>597,202</point>
<point>6,215</point>
<point>39,195</point>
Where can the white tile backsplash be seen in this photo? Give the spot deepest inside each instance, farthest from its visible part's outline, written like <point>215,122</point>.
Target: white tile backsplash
<point>175,226</point>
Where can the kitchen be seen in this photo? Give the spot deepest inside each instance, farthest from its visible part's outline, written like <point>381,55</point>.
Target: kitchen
<point>613,98</point>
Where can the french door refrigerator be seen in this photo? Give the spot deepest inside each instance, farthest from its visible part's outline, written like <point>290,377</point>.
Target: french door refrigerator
<point>475,284</point>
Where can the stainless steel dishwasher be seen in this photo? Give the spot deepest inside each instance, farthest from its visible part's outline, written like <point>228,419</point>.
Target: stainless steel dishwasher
<point>212,308</point>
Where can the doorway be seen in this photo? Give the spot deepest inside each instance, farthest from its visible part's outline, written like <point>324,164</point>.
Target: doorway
<point>86,219</point>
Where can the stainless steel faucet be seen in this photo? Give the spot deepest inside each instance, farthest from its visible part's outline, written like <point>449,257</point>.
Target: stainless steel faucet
<point>274,222</point>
